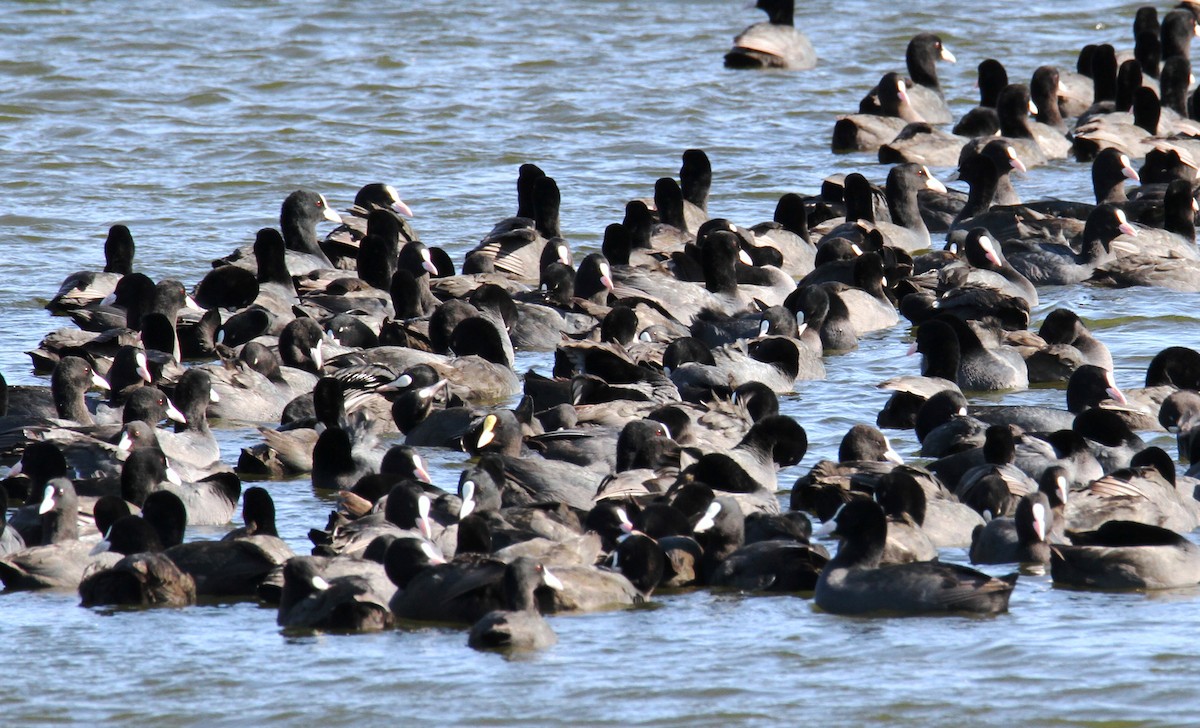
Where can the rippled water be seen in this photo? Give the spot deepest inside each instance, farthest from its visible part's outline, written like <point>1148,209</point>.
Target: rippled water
<point>191,121</point>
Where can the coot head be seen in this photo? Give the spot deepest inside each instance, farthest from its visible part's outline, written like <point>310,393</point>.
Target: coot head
<point>758,399</point>
<point>546,199</point>
<point>167,515</point>
<point>298,218</point>
<point>1174,83</point>
<point>527,176</point>
<point>938,344</point>
<point>893,98</point>
<point>790,213</point>
<point>1147,51</point>
<point>686,349</point>
<point>992,79</point>
<point>617,244</point>
<point>1157,458</point>
<point>1129,80</point>
<point>1014,107</point>
<point>937,410</point>
<point>494,299</point>
<point>921,57</point>
<point>405,462</point>
<point>131,535</point>
<point>1110,170</point>
<point>1033,518</point>
<point>407,557</point>
<point>867,444</point>
<point>695,173</point>
<point>498,432</point>
<point>118,250</point>
<point>258,511</point>
<point>301,345</point>
<point>1043,91</point>
<point>721,529</point>
<point>59,510</point>
<point>862,527</point>
<point>901,495</point>
<point>593,279</point>
<point>379,195</point>
<point>1106,222</point>
<point>1177,366</point>
<point>785,438</point>
<point>40,462</point>
<point>481,337</point>
<point>558,283</point>
<point>619,325</point>
<point>479,486</point>
<point>640,445</point>
<point>641,560</point>
<point>999,445</point>
<point>1055,484</point>
<point>779,12</point>
<point>1178,28</point>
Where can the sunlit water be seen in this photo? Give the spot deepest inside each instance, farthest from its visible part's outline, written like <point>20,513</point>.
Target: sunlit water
<point>190,122</point>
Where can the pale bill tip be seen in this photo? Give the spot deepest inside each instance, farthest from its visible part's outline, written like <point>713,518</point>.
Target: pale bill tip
<point>934,183</point>
<point>327,212</point>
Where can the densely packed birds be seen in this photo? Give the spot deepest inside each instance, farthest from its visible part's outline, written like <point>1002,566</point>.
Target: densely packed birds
<point>646,457</point>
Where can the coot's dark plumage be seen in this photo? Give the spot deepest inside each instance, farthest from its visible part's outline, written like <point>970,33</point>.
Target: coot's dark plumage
<point>1021,539</point>
<point>342,604</point>
<point>61,559</point>
<point>982,120</point>
<point>518,626</point>
<point>853,582</point>
<point>878,122</point>
<point>1122,555</point>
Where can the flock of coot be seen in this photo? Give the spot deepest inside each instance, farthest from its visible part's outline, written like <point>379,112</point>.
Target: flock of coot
<point>646,457</point>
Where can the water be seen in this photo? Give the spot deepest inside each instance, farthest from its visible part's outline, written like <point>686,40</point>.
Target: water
<point>190,122</point>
